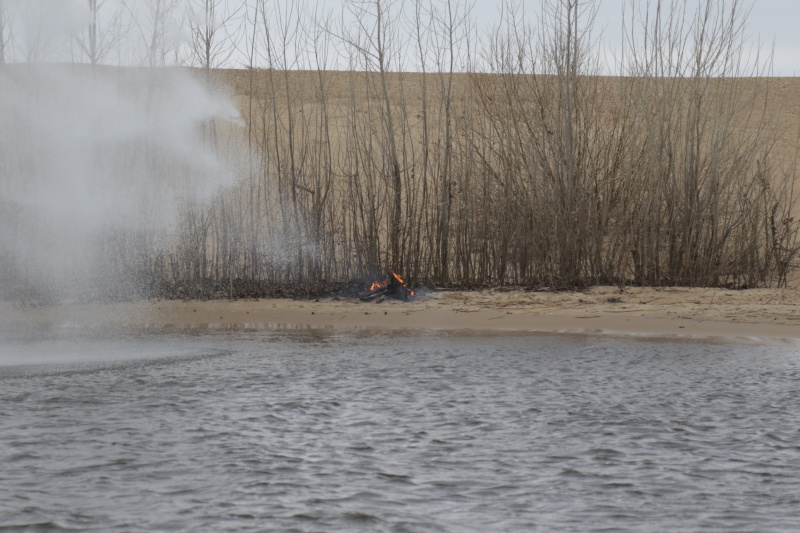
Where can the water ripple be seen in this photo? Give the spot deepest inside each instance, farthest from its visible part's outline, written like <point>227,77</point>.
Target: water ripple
<point>367,433</point>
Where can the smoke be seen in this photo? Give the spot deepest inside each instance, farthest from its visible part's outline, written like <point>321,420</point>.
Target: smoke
<point>41,28</point>
<point>94,165</point>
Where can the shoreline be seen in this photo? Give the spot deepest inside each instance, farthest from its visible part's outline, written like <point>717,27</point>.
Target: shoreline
<point>754,316</point>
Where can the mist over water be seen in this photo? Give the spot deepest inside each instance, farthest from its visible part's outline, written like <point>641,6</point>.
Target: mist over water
<point>93,160</point>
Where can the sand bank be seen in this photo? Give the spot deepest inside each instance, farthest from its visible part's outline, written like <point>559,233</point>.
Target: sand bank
<point>752,316</point>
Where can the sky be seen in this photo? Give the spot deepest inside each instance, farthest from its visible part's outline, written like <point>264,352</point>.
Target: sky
<point>772,22</point>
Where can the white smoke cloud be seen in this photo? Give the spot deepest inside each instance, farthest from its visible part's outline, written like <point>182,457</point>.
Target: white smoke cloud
<point>89,153</point>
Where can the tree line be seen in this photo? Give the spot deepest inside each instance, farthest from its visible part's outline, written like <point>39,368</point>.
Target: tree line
<point>505,158</point>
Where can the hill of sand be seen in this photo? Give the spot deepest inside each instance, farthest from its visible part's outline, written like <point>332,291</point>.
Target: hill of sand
<point>782,95</point>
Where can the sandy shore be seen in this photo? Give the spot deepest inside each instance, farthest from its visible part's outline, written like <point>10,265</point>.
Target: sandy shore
<point>752,316</point>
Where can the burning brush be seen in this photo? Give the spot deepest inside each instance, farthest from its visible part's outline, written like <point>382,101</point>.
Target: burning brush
<point>392,287</point>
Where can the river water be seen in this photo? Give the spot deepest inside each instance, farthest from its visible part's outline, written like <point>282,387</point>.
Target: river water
<point>325,430</point>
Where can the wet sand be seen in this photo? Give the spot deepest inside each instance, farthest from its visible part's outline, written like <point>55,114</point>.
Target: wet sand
<point>750,316</point>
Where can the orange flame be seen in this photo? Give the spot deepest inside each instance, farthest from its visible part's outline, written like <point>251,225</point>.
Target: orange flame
<point>375,286</point>
<point>385,283</point>
<point>403,283</point>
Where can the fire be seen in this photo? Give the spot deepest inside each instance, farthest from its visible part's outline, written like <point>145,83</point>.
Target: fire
<point>400,280</point>
<point>375,286</point>
<point>385,283</point>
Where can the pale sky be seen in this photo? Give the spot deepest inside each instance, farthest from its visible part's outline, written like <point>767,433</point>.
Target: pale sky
<point>771,21</point>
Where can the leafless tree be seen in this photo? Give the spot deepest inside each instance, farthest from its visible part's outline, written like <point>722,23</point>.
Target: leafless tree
<point>214,28</point>
<point>155,22</point>
<point>376,41</point>
<point>5,30</point>
<point>106,29</point>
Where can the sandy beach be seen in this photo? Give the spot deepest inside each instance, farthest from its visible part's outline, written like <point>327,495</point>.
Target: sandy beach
<point>758,316</point>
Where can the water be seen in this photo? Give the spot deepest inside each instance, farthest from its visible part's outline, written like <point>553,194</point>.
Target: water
<point>323,431</point>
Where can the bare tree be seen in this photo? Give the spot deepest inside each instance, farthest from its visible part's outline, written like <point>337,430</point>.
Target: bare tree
<point>214,27</point>
<point>106,29</point>
<point>538,173</point>
<point>450,21</point>
<point>717,207</point>
<point>377,42</point>
<point>35,32</point>
<point>5,30</point>
<point>157,28</point>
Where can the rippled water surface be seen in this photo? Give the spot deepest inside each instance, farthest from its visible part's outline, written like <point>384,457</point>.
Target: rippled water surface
<point>324,431</point>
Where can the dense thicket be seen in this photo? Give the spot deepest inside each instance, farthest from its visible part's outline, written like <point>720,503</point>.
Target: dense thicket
<point>506,160</point>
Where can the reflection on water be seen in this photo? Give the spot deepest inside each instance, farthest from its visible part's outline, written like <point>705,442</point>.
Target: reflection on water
<point>318,430</point>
